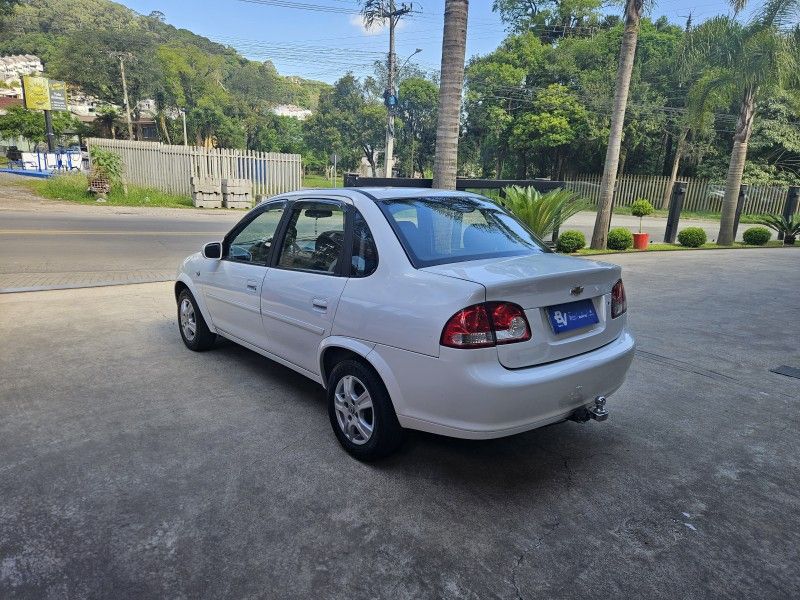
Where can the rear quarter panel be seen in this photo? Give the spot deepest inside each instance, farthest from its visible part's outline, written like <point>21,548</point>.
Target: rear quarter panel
<point>399,305</point>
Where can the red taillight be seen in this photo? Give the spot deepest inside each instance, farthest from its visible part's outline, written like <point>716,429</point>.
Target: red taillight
<point>618,302</point>
<point>487,324</point>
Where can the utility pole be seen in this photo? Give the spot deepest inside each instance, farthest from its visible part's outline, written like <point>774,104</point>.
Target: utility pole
<point>121,56</point>
<point>393,13</point>
<point>185,137</point>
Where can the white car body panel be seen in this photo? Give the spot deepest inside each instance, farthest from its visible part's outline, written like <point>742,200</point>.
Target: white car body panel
<point>394,317</point>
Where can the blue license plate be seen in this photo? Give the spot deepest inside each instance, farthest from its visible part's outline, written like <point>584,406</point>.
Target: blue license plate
<point>573,315</point>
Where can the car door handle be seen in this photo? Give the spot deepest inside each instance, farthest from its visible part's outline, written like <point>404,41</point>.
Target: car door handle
<point>252,285</point>
<point>320,303</point>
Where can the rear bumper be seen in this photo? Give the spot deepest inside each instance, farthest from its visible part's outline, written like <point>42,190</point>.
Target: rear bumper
<point>468,394</point>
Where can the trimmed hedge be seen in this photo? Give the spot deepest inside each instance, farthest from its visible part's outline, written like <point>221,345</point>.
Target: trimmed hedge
<point>692,237</point>
<point>570,241</point>
<point>619,239</point>
<point>756,236</point>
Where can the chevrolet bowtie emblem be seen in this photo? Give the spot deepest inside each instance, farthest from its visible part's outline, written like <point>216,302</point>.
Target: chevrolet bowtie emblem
<point>577,290</point>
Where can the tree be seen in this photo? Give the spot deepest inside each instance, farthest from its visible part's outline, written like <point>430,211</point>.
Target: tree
<point>627,52</point>
<point>555,120</point>
<point>418,100</point>
<point>547,16</point>
<point>454,43</point>
<point>28,124</point>
<point>745,62</point>
<point>347,124</point>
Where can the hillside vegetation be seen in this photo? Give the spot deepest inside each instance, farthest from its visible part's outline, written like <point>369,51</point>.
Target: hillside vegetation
<point>227,97</point>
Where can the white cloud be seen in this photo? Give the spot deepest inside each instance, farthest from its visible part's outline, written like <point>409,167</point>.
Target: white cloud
<point>376,29</point>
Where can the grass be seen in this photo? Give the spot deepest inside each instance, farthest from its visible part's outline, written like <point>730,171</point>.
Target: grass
<point>673,247</point>
<point>73,188</point>
<point>699,215</point>
<point>312,180</point>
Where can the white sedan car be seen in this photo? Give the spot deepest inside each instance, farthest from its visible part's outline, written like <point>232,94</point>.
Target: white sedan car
<point>414,308</point>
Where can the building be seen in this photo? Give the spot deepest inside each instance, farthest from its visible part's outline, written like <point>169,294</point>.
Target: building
<point>291,110</point>
<point>6,103</point>
<point>14,67</point>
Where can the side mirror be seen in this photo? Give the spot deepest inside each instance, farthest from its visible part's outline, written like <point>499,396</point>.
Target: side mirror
<point>213,250</point>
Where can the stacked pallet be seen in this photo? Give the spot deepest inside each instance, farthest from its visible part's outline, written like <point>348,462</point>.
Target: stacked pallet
<point>206,192</point>
<point>237,193</point>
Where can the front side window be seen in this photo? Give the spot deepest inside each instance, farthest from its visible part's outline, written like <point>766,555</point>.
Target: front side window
<point>252,244</point>
<point>314,238</point>
<point>441,230</point>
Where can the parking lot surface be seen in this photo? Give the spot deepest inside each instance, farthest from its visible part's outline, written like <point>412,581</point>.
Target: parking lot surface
<point>131,467</point>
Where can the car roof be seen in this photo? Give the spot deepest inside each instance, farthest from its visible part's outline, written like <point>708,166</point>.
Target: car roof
<point>381,193</point>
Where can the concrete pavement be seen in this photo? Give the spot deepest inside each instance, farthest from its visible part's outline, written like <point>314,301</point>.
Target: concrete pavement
<point>133,468</point>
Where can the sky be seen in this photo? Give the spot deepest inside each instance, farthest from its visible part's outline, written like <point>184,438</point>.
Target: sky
<point>326,39</point>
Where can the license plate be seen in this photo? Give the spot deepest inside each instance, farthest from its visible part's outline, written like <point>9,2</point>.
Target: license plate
<point>573,315</point>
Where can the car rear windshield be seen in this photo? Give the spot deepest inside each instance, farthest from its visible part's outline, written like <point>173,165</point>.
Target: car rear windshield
<point>440,230</point>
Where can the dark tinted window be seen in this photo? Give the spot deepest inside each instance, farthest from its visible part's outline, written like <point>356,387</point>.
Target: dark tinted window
<point>445,230</point>
<point>314,238</point>
<point>365,254</point>
<point>252,244</point>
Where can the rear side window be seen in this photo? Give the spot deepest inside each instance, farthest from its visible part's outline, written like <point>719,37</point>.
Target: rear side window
<point>365,255</point>
<point>444,230</point>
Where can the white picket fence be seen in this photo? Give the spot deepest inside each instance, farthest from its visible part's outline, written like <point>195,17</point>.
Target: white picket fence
<point>702,195</point>
<point>170,168</point>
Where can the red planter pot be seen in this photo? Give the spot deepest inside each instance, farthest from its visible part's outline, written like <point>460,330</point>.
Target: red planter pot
<point>641,241</point>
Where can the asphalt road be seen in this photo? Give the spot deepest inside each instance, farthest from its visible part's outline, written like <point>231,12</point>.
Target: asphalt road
<point>131,467</point>
<point>100,246</point>
<point>54,245</point>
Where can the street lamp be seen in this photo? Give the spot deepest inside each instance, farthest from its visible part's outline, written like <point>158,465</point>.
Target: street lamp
<point>405,62</point>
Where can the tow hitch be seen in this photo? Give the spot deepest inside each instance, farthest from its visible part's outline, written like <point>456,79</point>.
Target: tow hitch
<point>597,412</point>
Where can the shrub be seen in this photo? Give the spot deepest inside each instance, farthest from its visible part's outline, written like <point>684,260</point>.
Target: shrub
<point>106,163</point>
<point>619,239</point>
<point>790,228</point>
<point>641,208</point>
<point>542,212</point>
<point>756,236</point>
<point>570,241</point>
<point>692,237</point>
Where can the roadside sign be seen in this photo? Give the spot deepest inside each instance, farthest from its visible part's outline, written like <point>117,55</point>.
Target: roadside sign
<point>58,95</point>
<point>37,92</point>
<point>42,94</point>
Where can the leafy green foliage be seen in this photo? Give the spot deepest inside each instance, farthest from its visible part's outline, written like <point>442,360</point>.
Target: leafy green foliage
<point>542,212</point>
<point>106,163</point>
<point>756,236</point>
<point>692,237</point>
<point>641,208</point>
<point>619,239</point>
<point>789,227</point>
<point>347,124</point>
<point>29,124</point>
<point>570,241</point>
<point>227,98</point>
<point>73,188</point>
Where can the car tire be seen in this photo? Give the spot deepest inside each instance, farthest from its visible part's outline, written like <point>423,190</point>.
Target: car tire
<point>358,404</point>
<point>194,331</point>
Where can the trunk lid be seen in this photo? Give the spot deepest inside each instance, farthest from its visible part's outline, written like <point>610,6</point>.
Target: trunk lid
<point>536,282</point>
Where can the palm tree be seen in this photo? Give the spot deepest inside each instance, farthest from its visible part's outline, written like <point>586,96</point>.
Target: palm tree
<point>627,52</point>
<point>454,46</point>
<point>745,61</point>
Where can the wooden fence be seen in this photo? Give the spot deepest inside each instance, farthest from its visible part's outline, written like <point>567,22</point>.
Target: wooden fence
<point>702,195</point>
<point>170,168</point>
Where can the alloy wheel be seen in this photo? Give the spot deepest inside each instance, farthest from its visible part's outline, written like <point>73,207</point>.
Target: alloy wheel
<point>188,319</point>
<point>354,413</point>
